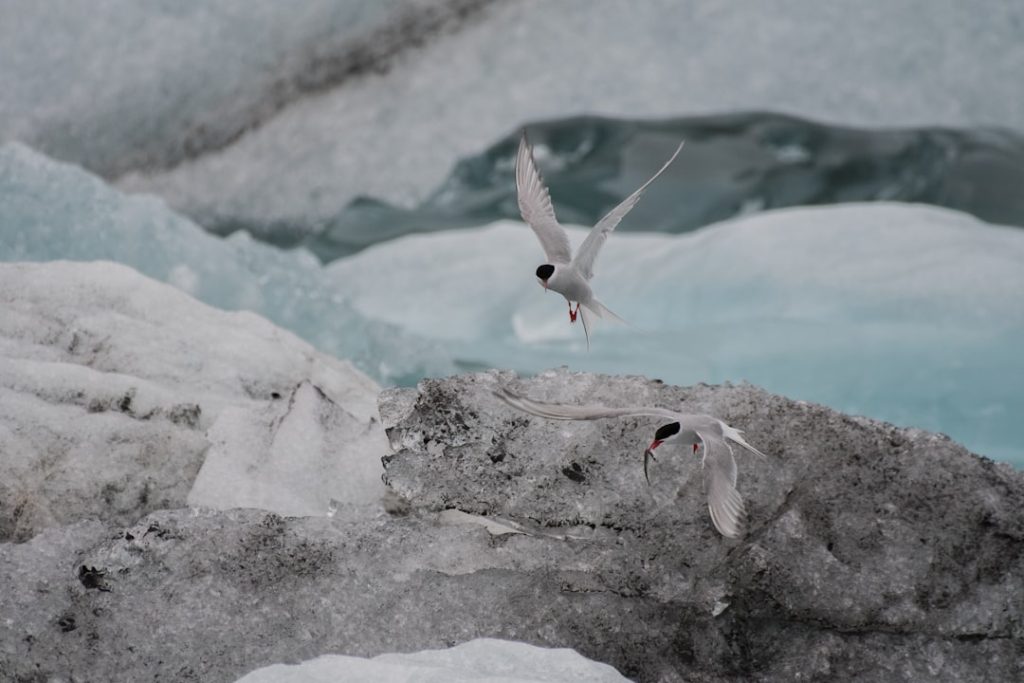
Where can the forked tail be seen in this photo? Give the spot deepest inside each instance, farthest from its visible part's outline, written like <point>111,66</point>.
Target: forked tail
<point>598,310</point>
<point>602,311</point>
<point>736,436</point>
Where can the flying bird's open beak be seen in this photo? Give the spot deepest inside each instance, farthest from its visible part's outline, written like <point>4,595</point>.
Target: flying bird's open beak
<point>648,456</point>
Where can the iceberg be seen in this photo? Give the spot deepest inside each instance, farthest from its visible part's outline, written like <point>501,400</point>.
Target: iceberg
<point>123,395</point>
<point>396,135</point>
<point>50,210</point>
<point>871,550</point>
<point>733,164</point>
<point>905,313</point>
<point>483,660</point>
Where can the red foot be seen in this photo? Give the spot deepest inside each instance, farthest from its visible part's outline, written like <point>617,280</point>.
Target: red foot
<point>572,313</point>
<point>695,447</point>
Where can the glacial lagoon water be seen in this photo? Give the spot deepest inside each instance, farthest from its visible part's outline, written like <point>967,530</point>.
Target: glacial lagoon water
<point>732,165</point>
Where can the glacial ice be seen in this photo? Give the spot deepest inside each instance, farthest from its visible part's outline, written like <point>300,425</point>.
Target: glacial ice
<point>732,165</point>
<point>50,210</point>
<point>229,592</point>
<point>905,313</point>
<point>123,395</point>
<point>396,135</point>
<point>299,456</point>
<point>118,84</point>
<point>483,660</point>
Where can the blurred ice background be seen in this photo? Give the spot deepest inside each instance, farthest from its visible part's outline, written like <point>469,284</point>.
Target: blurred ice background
<point>376,136</point>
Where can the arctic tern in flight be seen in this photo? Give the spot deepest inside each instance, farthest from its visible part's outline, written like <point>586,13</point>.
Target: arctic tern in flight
<point>719,467</point>
<point>563,273</point>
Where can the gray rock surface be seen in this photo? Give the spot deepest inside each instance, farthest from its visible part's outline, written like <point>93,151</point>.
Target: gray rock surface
<point>874,553</point>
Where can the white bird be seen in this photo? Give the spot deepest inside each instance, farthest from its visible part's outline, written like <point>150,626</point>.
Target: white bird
<point>563,273</point>
<point>719,466</point>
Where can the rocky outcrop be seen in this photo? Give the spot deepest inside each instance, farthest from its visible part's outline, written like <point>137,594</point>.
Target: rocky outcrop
<point>872,553</point>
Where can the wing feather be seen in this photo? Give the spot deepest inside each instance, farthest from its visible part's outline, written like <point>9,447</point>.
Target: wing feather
<point>724,502</point>
<point>591,247</point>
<point>557,411</point>
<point>535,207</point>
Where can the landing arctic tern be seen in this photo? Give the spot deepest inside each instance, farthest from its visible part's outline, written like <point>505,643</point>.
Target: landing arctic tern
<point>719,466</point>
<point>569,276</point>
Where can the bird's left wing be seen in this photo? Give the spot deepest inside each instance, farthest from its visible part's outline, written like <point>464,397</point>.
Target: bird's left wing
<point>591,247</point>
<point>557,411</point>
<point>724,502</point>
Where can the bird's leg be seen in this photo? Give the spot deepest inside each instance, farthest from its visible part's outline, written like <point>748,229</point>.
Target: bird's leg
<point>572,314</point>
<point>695,447</point>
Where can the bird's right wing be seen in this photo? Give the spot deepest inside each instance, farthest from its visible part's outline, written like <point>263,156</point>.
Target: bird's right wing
<point>535,207</point>
<point>724,502</point>
<point>586,256</point>
<point>557,411</point>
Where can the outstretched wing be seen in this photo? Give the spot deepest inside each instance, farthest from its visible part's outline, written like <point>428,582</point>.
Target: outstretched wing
<point>557,411</point>
<point>591,247</point>
<point>724,502</point>
<point>535,207</point>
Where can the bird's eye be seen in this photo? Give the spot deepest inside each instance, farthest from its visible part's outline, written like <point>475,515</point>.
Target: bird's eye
<point>545,271</point>
<point>665,431</point>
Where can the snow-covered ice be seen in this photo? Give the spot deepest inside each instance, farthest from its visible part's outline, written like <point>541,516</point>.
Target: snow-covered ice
<point>51,210</point>
<point>484,660</point>
<point>116,389</point>
<point>900,312</point>
<point>119,84</point>
<point>396,135</point>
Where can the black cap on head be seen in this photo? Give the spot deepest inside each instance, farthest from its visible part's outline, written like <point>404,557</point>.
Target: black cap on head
<point>665,431</point>
<point>545,271</point>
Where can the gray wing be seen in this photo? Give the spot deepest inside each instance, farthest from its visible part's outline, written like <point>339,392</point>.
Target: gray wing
<point>557,411</point>
<point>535,207</point>
<point>591,247</point>
<point>724,502</point>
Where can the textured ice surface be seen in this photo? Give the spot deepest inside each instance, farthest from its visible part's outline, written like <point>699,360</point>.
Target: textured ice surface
<point>732,164</point>
<point>303,454</point>
<point>50,210</point>
<point>906,313</point>
<point>116,389</point>
<point>484,660</point>
<point>118,84</point>
<point>873,553</point>
<point>397,135</point>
